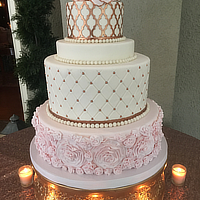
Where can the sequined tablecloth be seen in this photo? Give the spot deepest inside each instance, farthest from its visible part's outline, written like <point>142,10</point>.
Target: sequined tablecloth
<point>183,149</point>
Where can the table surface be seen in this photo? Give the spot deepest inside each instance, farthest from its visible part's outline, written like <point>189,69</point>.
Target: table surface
<point>183,149</point>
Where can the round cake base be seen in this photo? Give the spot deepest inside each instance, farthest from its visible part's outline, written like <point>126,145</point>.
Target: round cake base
<point>153,188</point>
<point>147,182</point>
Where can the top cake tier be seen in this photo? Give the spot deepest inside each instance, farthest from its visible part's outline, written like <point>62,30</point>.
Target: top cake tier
<point>91,20</point>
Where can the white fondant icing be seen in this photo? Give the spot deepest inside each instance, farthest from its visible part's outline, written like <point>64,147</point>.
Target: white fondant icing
<point>67,51</point>
<point>97,93</point>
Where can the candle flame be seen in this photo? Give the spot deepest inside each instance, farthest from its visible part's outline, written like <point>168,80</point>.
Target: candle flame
<point>179,170</point>
<point>95,195</point>
<point>0,4</point>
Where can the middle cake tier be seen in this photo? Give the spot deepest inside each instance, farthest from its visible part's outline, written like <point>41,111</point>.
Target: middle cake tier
<point>98,94</point>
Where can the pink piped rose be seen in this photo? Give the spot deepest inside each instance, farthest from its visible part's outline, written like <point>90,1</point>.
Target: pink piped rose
<point>127,163</point>
<point>138,163</point>
<point>56,162</point>
<point>143,146</point>
<point>147,159</point>
<point>79,171</point>
<point>156,150</point>
<point>88,156</point>
<point>109,154</point>
<point>96,140</point>
<point>146,130</point>
<point>35,119</point>
<point>108,171</point>
<point>117,170</point>
<point>89,168</point>
<point>98,171</point>
<point>71,170</point>
<point>70,154</point>
<point>85,143</point>
<point>130,141</point>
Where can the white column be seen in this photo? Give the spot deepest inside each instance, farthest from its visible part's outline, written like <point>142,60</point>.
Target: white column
<point>17,49</point>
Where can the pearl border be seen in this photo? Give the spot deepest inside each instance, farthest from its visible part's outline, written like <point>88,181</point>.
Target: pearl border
<point>97,125</point>
<point>91,62</point>
<point>112,40</point>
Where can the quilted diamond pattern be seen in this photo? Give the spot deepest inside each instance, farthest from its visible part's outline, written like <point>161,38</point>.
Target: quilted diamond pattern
<point>97,93</point>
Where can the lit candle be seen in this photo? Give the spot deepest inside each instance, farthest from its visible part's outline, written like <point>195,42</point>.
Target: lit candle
<point>178,174</point>
<point>26,175</point>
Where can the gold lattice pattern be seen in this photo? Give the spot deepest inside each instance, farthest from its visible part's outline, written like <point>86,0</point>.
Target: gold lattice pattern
<point>87,21</point>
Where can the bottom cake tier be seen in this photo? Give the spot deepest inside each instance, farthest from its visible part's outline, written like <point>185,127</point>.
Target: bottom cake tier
<point>147,182</point>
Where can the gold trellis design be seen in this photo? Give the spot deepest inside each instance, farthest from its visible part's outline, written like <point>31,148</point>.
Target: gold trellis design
<point>116,29</point>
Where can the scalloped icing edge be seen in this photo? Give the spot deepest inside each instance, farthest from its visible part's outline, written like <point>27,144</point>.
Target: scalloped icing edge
<point>90,62</point>
<point>97,125</point>
<point>111,40</point>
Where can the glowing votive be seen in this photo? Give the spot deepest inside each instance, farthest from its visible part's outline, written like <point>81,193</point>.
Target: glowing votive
<point>178,174</point>
<point>26,175</point>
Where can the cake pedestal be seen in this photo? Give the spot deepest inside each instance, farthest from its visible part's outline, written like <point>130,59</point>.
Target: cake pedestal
<point>147,182</point>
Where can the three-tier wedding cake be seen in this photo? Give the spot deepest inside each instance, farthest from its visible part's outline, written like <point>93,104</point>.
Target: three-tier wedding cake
<point>98,129</point>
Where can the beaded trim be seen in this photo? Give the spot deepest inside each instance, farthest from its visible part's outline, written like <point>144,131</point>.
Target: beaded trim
<point>111,40</point>
<point>98,125</point>
<point>91,62</point>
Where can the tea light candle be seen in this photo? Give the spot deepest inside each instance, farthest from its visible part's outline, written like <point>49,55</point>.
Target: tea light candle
<point>178,174</point>
<point>26,175</point>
